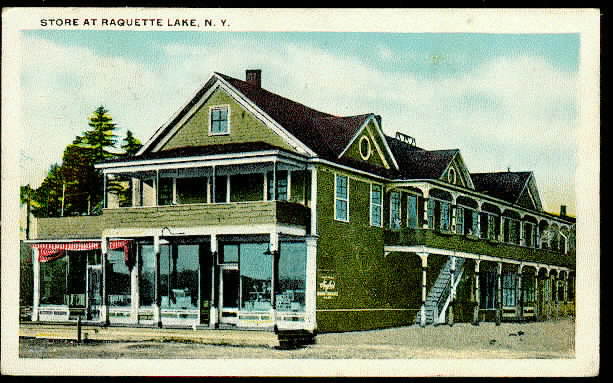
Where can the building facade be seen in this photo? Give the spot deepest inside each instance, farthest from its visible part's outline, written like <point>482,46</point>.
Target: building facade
<point>249,210</point>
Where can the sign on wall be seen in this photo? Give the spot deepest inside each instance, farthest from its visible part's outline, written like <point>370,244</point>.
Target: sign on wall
<point>326,286</point>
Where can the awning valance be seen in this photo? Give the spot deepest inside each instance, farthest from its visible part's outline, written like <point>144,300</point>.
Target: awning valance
<point>51,251</point>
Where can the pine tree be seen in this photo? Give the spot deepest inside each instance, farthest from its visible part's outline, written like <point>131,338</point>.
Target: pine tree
<point>131,144</point>
<point>101,137</point>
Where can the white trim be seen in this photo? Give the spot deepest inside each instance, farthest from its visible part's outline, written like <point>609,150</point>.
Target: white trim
<point>209,158</point>
<point>210,121</point>
<point>380,205</point>
<point>347,168</point>
<point>132,232</point>
<point>337,198</point>
<point>371,117</point>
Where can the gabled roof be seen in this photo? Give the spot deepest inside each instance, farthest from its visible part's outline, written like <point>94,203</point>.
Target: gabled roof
<point>502,185</point>
<point>417,163</point>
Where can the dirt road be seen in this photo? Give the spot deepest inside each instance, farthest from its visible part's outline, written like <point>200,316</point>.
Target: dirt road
<point>553,339</point>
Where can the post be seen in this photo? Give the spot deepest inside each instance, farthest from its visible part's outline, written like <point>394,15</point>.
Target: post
<point>311,284</point>
<point>313,200</point>
<point>425,217</point>
<point>499,294</point>
<point>520,304</point>
<point>213,315</point>
<point>477,294</point>
<point>36,284</point>
<point>104,308</point>
<point>274,251</point>
<point>157,303</point>
<point>79,328</point>
<point>451,293</point>
<point>537,308</point>
<point>135,291</point>
<point>213,184</point>
<point>424,269</point>
<point>273,197</point>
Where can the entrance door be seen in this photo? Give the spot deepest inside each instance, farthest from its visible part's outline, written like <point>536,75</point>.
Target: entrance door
<point>94,291</point>
<point>229,287</point>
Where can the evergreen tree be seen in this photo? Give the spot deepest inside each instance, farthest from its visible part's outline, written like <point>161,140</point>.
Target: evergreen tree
<point>101,137</point>
<point>131,144</point>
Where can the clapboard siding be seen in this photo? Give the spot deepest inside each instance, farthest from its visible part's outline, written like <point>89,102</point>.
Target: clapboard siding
<point>244,213</point>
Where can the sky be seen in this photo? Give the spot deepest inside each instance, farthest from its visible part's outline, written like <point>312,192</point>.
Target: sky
<point>505,100</point>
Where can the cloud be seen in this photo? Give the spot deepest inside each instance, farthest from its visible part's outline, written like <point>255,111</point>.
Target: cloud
<point>516,111</point>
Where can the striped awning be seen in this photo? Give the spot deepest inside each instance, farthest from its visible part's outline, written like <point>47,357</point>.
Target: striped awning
<point>51,251</point>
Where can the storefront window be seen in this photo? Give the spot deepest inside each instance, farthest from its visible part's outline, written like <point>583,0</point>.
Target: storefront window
<point>292,277</point>
<point>256,276</point>
<point>119,280</point>
<point>53,281</point>
<point>146,282</point>
<point>179,276</point>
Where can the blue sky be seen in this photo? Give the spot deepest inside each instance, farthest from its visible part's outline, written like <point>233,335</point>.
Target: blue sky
<point>504,100</point>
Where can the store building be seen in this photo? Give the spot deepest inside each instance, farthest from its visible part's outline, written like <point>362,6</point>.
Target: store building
<point>249,210</point>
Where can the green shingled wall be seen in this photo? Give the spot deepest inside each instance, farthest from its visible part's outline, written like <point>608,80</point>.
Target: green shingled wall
<point>244,127</point>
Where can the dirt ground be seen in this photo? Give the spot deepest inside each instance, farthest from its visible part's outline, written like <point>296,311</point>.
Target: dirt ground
<point>553,339</point>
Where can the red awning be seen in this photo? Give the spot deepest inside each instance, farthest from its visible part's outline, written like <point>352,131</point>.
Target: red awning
<point>55,250</point>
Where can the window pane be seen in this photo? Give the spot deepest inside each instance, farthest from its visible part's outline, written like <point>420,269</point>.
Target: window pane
<point>375,205</point>
<point>508,289</point>
<point>444,216</point>
<point>431,204</point>
<point>394,210</point>
<point>459,220</point>
<point>75,296</point>
<point>229,253</point>
<point>119,290</point>
<point>341,187</point>
<point>292,277</point>
<point>341,210</point>
<point>256,277</point>
<point>146,282</point>
<point>53,281</point>
<point>179,273</point>
<point>281,177</point>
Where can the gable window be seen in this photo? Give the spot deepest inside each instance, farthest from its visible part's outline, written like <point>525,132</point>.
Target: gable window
<point>376,205</point>
<point>395,210</point>
<point>341,198</point>
<point>451,176</point>
<point>365,150</point>
<point>219,120</point>
<point>412,218</point>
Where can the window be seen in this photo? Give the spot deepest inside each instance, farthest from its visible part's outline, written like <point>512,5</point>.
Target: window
<point>527,285</point>
<point>509,288</point>
<point>292,277</point>
<point>475,223</point>
<point>219,120</point>
<point>451,176</point>
<point>146,280</point>
<point>511,230</point>
<point>376,205</point>
<point>444,216</point>
<point>459,225</point>
<point>179,276</point>
<point>281,194</point>
<point>395,210</point>
<point>365,149</point>
<point>491,226</point>
<point>412,212</point>
<point>255,277</point>
<point>341,198</point>
<point>430,208</point>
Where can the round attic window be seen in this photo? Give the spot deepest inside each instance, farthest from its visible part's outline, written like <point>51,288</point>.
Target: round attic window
<point>365,150</point>
<point>451,176</point>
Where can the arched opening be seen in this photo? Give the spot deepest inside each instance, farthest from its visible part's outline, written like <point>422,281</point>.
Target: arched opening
<point>467,216</point>
<point>439,210</point>
<point>511,227</point>
<point>489,219</point>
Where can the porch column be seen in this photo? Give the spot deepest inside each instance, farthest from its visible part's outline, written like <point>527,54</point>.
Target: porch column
<point>213,315</point>
<point>311,284</point>
<point>157,300</point>
<point>478,233</point>
<point>451,293</point>
<point>36,284</point>
<point>566,277</point>
<point>537,307</point>
<point>499,294</point>
<point>424,269</point>
<point>556,284</point>
<point>135,288</point>
<point>520,304</point>
<point>477,294</point>
<point>274,250</point>
<point>313,200</point>
<point>104,308</point>
<point>522,239</point>
<point>547,295</point>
